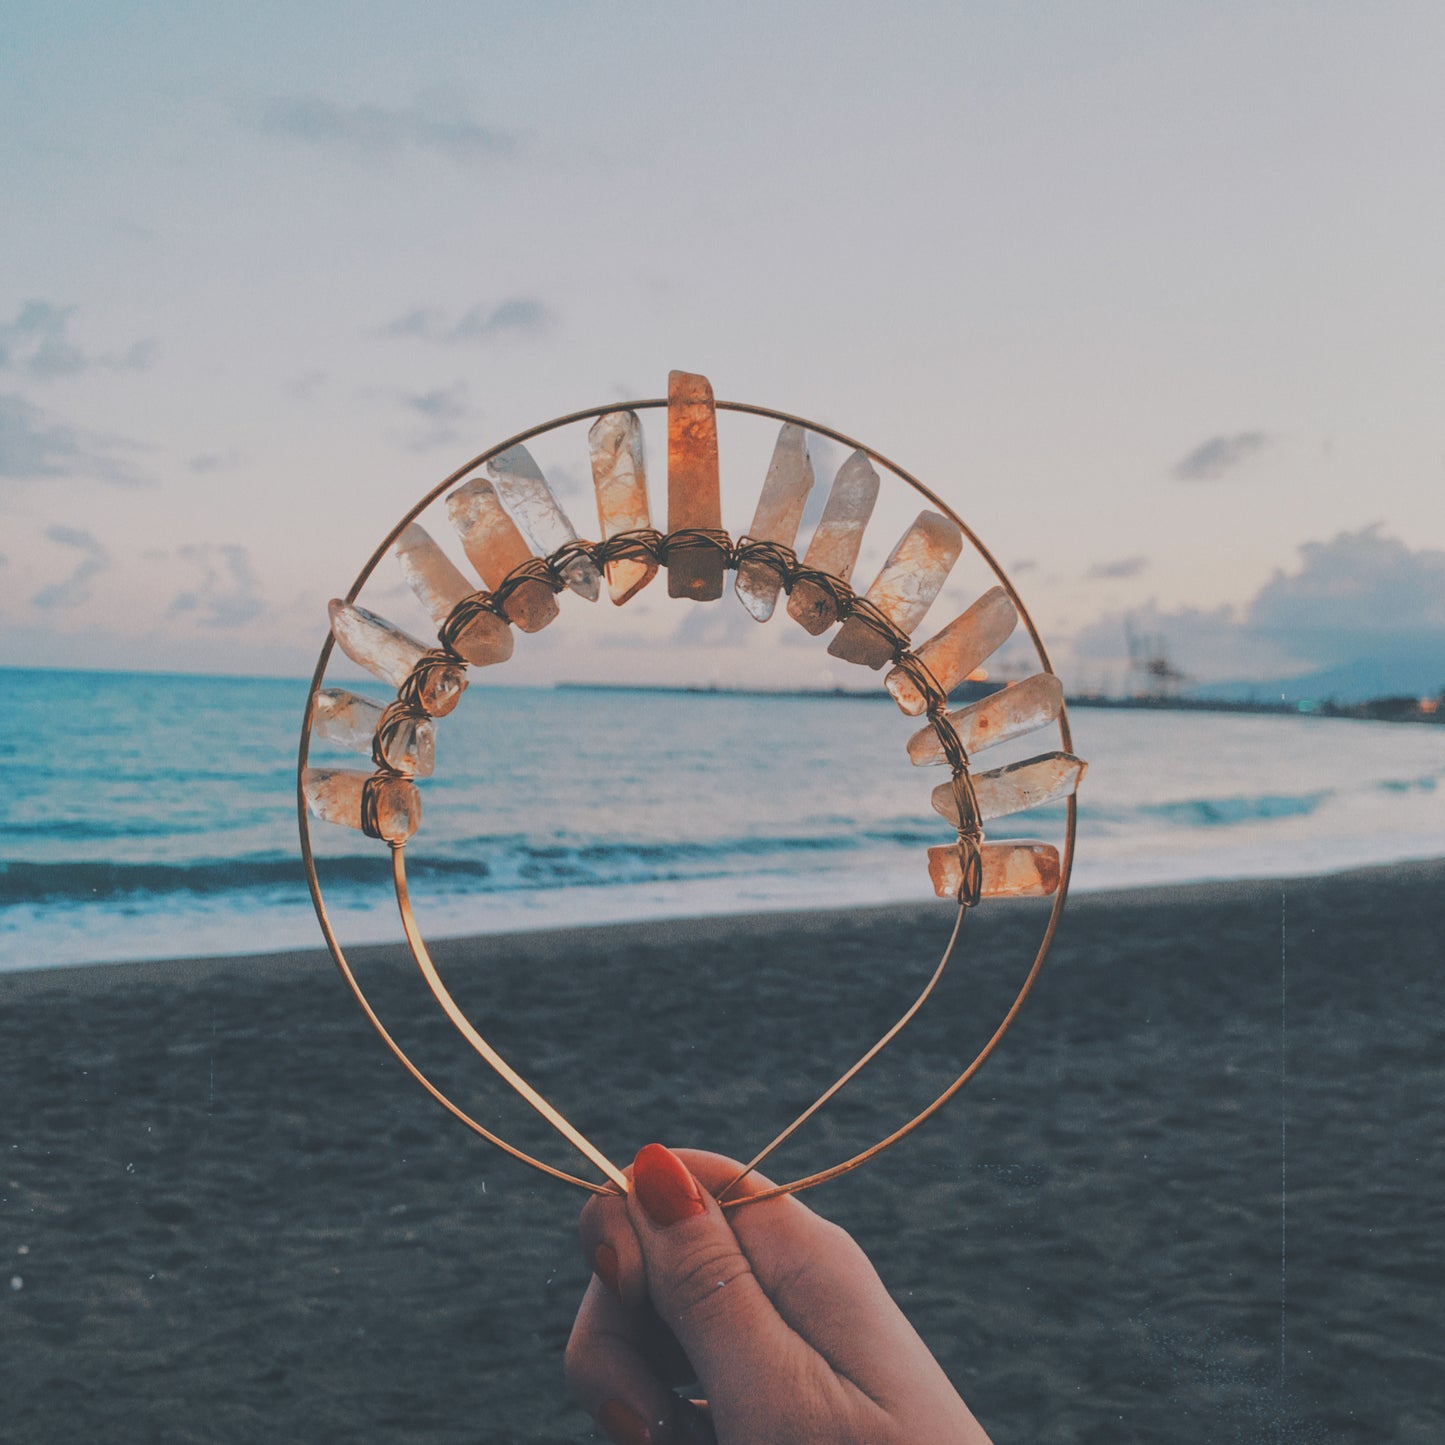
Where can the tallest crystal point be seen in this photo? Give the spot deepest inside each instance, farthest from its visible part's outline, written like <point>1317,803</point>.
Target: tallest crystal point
<point>694,497</point>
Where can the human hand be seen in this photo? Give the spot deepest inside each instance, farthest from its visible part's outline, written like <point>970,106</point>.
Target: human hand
<point>774,1311</point>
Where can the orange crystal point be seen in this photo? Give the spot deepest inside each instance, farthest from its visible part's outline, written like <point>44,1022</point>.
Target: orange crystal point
<point>1008,713</point>
<point>1016,788</point>
<point>334,796</point>
<point>835,541</point>
<point>619,473</point>
<point>1010,870</point>
<point>904,590</point>
<point>780,510</point>
<point>953,653</point>
<point>496,548</point>
<point>439,586</point>
<point>694,496</point>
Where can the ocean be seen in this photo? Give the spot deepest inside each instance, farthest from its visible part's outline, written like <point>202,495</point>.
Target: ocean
<point>151,816</point>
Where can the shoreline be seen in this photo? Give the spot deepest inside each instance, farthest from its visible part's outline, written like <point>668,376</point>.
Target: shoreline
<point>785,913</point>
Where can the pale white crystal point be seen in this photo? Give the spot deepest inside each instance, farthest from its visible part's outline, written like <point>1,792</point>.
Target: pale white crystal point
<point>1016,788</point>
<point>334,796</point>
<point>526,495</point>
<point>955,652</point>
<point>619,474</point>
<point>385,651</point>
<point>439,586</point>
<point>835,541</point>
<point>904,590</point>
<point>694,496</point>
<point>1010,870</point>
<point>496,548</point>
<point>1019,708</point>
<point>780,510</point>
<point>350,720</point>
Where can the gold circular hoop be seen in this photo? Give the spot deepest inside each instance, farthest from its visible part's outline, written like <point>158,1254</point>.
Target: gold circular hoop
<point>616,1180</point>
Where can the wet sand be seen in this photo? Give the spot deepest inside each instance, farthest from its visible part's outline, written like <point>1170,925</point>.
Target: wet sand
<point>227,1216</point>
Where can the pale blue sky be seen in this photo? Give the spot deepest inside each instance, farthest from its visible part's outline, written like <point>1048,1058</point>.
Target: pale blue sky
<point>1151,292</point>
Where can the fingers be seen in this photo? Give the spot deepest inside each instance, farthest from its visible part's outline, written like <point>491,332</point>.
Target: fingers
<point>612,1373</point>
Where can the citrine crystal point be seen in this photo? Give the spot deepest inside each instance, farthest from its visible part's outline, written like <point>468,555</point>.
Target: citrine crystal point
<point>1010,870</point>
<point>619,474</point>
<point>835,542</point>
<point>955,652</point>
<point>694,495</point>
<point>780,510</point>
<point>496,548</point>
<point>904,590</point>
<point>536,510</point>
<point>1016,788</point>
<point>1018,708</point>
<point>429,572</point>
<point>335,796</point>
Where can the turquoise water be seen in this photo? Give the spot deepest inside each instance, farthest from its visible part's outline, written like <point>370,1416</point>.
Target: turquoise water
<point>150,816</point>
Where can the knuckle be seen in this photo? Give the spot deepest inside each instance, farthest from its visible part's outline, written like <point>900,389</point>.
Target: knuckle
<point>703,1280</point>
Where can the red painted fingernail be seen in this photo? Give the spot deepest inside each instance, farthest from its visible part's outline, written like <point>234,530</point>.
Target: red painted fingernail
<point>664,1187</point>
<point>623,1426</point>
<point>604,1266</point>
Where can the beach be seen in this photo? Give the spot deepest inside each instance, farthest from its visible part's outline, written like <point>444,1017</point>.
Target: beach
<point>227,1215</point>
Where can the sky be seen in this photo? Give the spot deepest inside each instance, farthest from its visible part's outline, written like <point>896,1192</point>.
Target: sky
<point>1151,293</point>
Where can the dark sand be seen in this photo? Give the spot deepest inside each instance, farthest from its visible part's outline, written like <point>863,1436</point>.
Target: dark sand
<point>234,1218</point>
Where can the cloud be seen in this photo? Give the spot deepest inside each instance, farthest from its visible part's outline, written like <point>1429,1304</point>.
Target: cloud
<point>73,590</point>
<point>207,462</point>
<point>523,315</point>
<point>441,403</point>
<point>227,594</point>
<point>1216,455</point>
<point>378,132</point>
<point>1358,596</point>
<point>37,342</point>
<point>1121,567</point>
<point>30,448</point>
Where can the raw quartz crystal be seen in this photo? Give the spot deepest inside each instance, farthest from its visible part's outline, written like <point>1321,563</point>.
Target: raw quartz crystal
<point>694,496</point>
<point>619,473</point>
<point>495,548</point>
<point>835,542</point>
<point>529,499</point>
<point>1010,870</point>
<point>780,510</point>
<point>439,586</point>
<point>385,651</point>
<point>904,590</point>
<point>1016,788</point>
<point>1018,708</point>
<point>351,721</point>
<point>956,651</point>
<point>334,796</point>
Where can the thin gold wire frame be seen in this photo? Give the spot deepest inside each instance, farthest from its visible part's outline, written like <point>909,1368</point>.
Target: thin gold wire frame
<point>617,1180</point>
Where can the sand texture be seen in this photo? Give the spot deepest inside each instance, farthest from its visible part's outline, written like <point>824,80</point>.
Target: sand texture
<point>227,1216</point>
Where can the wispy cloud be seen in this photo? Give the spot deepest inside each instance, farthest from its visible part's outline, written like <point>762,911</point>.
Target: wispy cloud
<point>227,594</point>
<point>1217,455</point>
<point>31,448</point>
<point>378,132</point>
<point>37,343</point>
<point>1120,567</point>
<point>73,590</point>
<point>208,462</point>
<point>522,315</point>
<point>441,403</point>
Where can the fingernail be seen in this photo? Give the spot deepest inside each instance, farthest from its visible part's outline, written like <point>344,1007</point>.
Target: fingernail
<point>623,1426</point>
<point>664,1188</point>
<point>604,1266</point>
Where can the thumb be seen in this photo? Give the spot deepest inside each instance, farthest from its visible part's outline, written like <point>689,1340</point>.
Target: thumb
<point>703,1288</point>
